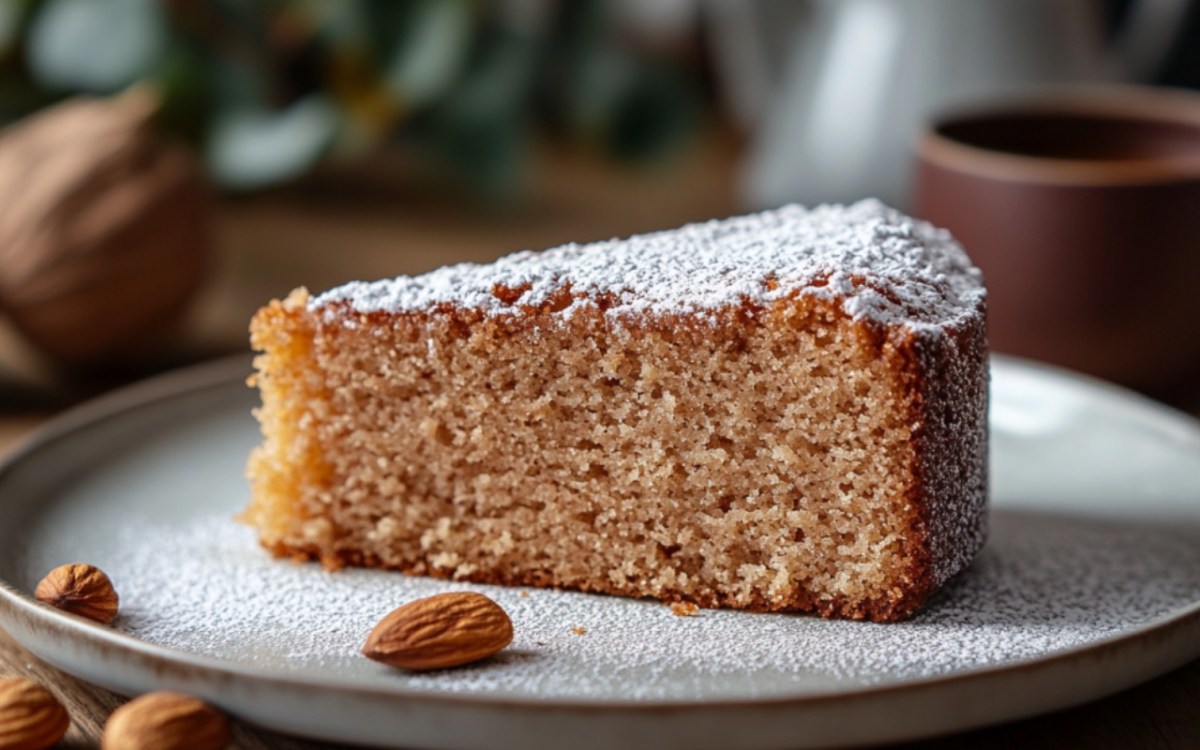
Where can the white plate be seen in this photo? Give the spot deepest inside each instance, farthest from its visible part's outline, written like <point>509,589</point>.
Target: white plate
<point>1090,583</point>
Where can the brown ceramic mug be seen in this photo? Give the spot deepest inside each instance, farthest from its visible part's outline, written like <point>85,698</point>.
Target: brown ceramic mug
<point>1083,210</point>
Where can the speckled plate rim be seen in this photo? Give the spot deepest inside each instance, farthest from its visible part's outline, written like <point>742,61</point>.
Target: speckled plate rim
<point>897,711</point>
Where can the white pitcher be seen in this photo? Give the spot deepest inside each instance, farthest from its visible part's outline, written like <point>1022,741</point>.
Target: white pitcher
<point>859,78</point>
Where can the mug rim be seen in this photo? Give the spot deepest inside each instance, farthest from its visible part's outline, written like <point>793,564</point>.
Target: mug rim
<point>1128,102</point>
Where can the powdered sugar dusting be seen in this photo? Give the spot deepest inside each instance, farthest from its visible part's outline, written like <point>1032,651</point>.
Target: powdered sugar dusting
<point>883,265</point>
<point>1044,584</point>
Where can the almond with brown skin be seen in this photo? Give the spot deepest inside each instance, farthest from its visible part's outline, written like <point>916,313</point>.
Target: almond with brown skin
<point>446,630</point>
<point>31,718</point>
<point>80,589</point>
<point>166,721</point>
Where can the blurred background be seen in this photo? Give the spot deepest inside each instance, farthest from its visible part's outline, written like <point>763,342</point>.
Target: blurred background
<point>168,166</point>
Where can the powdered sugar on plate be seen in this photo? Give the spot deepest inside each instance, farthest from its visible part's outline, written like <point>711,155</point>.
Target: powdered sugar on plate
<point>1043,585</point>
<point>883,265</point>
<point>1095,535</point>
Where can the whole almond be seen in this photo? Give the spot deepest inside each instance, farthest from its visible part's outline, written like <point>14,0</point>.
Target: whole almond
<point>80,589</point>
<point>446,630</point>
<point>166,721</point>
<point>31,718</point>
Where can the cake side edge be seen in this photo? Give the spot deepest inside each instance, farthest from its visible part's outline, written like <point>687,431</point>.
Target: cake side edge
<point>282,332</point>
<point>948,373</point>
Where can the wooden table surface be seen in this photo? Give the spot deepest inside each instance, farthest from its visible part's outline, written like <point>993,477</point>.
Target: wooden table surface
<point>319,239</point>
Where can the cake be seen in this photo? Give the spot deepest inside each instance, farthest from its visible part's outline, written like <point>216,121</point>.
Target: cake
<point>777,412</point>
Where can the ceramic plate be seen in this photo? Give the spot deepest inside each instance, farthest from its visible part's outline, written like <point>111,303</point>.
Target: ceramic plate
<point>1090,583</point>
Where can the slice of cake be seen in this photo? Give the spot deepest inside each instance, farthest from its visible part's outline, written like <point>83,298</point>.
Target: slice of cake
<point>784,411</point>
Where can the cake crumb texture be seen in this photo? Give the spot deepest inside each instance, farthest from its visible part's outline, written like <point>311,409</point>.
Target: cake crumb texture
<point>807,447</point>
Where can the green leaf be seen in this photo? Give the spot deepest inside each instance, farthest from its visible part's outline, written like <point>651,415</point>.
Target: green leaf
<point>98,46</point>
<point>655,111</point>
<point>186,82</point>
<point>339,23</point>
<point>481,128</point>
<point>427,59</point>
<point>634,108</point>
<point>12,16</point>
<point>254,148</point>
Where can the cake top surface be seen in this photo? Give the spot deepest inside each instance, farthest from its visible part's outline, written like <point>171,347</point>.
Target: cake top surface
<point>883,266</point>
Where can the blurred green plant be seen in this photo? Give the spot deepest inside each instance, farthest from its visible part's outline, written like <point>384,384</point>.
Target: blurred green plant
<point>95,46</point>
<point>268,89</point>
